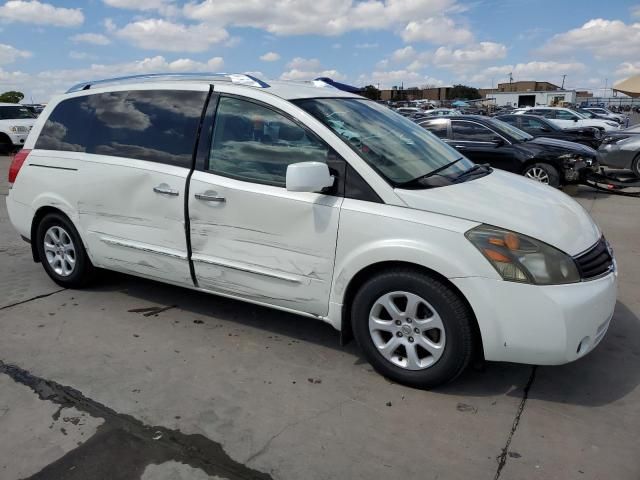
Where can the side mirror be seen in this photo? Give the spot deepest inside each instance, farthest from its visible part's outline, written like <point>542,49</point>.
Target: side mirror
<point>575,119</point>
<point>498,142</point>
<point>308,177</point>
<point>545,129</point>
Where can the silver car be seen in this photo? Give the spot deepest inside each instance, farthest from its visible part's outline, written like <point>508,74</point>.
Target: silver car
<point>621,149</point>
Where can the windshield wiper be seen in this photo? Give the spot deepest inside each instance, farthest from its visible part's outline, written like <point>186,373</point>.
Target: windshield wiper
<point>486,169</point>
<point>432,173</point>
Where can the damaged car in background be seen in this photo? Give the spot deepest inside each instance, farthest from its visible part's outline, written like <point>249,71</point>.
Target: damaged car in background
<point>488,140</point>
<point>318,202</point>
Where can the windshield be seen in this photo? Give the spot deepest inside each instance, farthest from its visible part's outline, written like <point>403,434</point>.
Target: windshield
<point>506,129</point>
<point>397,148</point>
<point>17,112</point>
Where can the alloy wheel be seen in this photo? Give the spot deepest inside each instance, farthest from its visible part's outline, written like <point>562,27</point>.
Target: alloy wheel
<point>407,330</point>
<point>60,251</point>
<point>538,174</point>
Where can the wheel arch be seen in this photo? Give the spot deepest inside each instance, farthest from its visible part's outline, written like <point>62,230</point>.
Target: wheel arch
<point>371,270</point>
<point>37,218</point>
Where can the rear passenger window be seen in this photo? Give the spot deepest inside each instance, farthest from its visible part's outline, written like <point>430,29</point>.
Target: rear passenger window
<point>256,144</point>
<point>472,132</point>
<point>154,125</point>
<point>438,128</point>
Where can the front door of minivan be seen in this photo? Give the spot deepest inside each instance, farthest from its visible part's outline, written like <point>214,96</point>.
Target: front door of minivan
<point>250,237</point>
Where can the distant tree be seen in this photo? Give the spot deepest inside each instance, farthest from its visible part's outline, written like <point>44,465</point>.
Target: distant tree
<point>463,92</point>
<point>371,92</point>
<point>11,97</point>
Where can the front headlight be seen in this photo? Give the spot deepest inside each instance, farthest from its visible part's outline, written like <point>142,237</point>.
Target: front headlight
<point>570,158</point>
<point>519,258</point>
<point>612,124</point>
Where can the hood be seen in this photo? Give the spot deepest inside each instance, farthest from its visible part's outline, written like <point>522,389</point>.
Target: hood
<point>19,122</point>
<point>561,146</point>
<point>513,202</point>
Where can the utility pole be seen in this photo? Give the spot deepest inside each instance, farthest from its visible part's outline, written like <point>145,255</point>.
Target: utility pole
<point>606,80</point>
<point>563,77</point>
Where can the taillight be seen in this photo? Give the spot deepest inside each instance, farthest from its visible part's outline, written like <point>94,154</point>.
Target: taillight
<point>16,164</point>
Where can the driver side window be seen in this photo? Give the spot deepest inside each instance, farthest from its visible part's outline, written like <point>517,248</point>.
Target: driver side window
<point>256,144</point>
<point>472,132</point>
<point>564,115</point>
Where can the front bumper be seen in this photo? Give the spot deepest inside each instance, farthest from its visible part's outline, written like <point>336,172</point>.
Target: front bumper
<point>18,139</point>
<point>541,325</point>
<point>574,171</point>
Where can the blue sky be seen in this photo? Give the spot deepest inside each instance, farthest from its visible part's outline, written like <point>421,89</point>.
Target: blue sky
<point>46,46</point>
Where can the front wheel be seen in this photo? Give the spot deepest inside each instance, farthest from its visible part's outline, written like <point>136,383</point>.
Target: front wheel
<point>543,173</point>
<point>635,166</point>
<point>412,328</point>
<point>62,253</point>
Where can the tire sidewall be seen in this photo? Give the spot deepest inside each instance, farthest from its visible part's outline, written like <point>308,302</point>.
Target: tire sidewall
<point>455,354</point>
<point>82,261</point>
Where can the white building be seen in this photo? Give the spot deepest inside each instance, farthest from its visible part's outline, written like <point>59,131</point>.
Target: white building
<point>532,98</point>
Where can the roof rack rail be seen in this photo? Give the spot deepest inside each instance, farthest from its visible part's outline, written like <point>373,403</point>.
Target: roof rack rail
<point>238,78</point>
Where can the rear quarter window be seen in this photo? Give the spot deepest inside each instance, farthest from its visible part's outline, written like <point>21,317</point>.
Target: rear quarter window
<point>153,125</point>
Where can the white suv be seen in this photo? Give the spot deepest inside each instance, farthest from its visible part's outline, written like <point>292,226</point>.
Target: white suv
<point>249,190</point>
<point>567,118</point>
<point>15,124</point>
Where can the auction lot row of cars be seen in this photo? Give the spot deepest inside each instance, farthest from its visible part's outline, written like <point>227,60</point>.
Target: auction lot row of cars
<point>315,201</point>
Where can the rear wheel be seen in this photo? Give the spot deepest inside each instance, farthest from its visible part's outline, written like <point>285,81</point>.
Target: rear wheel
<point>543,173</point>
<point>412,328</point>
<point>635,166</point>
<point>62,253</point>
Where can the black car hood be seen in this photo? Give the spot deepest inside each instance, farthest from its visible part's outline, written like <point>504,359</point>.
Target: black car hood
<point>557,146</point>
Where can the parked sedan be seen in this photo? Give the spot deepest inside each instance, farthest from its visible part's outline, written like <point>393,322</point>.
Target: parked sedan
<point>622,150</point>
<point>487,140</point>
<point>541,127</point>
<point>606,113</point>
<point>567,118</point>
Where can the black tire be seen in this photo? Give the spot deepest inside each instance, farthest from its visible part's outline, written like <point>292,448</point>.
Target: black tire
<point>548,169</point>
<point>83,270</point>
<point>635,166</point>
<point>6,146</point>
<point>456,316</point>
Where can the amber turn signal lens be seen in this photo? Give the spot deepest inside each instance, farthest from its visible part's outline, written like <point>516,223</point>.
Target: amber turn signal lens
<point>496,256</point>
<point>512,241</point>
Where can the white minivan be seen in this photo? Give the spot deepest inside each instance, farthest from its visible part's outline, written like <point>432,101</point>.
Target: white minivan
<point>304,198</point>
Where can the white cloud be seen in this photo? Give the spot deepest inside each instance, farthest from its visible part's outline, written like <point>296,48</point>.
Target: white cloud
<point>461,59</point>
<point>159,34</point>
<point>164,7</point>
<point>404,54</point>
<point>33,11</point>
<point>308,69</point>
<point>93,38</point>
<point>440,30</point>
<point>270,57</point>
<point>627,69</point>
<point>322,17</point>
<point>9,54</point>
<point>602,38</point>
<point>547,71</point>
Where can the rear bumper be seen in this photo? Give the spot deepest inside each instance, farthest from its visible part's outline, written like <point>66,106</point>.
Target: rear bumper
<point>21,216</point>
<point>542,325</point>
<point>18,139</point>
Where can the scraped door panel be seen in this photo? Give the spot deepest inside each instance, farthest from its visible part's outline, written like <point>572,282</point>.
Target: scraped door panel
<point>263,243</point>
<point>133,214</point>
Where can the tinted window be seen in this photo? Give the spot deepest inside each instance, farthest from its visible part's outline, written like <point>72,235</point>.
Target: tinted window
<point>510,119</point>
<point>11,113</point>
<point>256,144</point>
<point>564,115</point>
<point>438,128</point>
<point>153,125</point>
<point>472,132</point>
<point>533,124</point>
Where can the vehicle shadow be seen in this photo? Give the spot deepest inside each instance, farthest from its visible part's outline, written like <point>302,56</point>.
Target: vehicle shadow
<point>605,375</point>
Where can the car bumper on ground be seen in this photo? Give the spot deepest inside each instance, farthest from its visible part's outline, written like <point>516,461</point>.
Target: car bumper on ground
<point>541,325</point>
<point>574,171</point>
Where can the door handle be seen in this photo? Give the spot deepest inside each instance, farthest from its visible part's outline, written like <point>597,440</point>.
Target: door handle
<point>165,189</point>
<point>461,147</point>
<point>210,197</point>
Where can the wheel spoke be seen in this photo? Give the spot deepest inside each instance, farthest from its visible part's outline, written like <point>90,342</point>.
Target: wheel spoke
<point>383,325</point>
<point>434,349</point>
<point>413,361</point>
<point>389,305</point>
<point>390,347</point>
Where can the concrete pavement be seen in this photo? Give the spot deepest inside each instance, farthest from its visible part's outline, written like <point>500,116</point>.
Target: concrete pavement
<point>214,388</point>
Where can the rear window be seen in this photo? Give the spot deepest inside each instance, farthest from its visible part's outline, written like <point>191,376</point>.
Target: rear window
<point>154,125</point>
